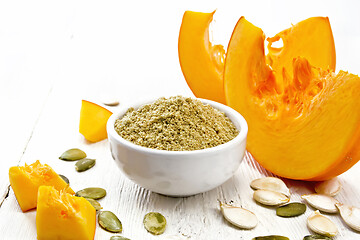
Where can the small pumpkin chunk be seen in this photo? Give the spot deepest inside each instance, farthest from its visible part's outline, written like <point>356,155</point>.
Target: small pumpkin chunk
<point>63,216</point>
<point>25,181</point>
<point>93,119</point>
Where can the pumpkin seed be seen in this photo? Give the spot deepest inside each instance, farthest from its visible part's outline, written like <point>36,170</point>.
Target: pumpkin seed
<point>321,202</point>
<point>270,198</point>
<point>350,215</point>
<point>316,237</point>
<point>73,155</point>
<point>330,187</point>
<point>154,223</point>
<point>119,238</point>
<point>270,183</point>
<point>110,101</point>
<point>84,164</point>
<point>271,237</point>
<point>321,224</point>
<point>65,179</point>
<point>94,203</point>
<point>109,221</point>
<point>291,210</point>
<point>93,193</point>
<point>238,216</point>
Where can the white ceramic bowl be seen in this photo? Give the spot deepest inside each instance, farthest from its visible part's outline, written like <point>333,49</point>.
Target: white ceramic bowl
<point>179,173</point>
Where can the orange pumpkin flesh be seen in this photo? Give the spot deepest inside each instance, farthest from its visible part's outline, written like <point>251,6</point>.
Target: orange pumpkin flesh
<point>311,39</point>
<point>25,182</point>
<point>302,126</point>
<point>201,62</point>
<point>93,119</point>
<point>60,215</point>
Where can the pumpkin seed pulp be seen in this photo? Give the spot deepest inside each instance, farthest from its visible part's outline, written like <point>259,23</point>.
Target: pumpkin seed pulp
<point>109,221</point>
<point>73,155</point>
<point>93,193</point>
<point>84,164</point>
<point>154,223</point>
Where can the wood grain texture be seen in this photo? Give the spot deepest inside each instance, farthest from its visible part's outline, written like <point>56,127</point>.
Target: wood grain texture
<point>55,54</point>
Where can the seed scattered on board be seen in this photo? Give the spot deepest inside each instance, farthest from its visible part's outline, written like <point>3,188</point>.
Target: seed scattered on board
<point>321,224</point>
<point>154,223</point>
<point>330,187</point>
<point>65,179</point>
<point>271,237</point>
<point>270,198</point>
<point>321,202</point>
<point>316,237</point>
<point>73,154</point>
<point>238,216</point>
<point>84,164</point>
<point>92,192</point>
<point>94,203</point>
<point>270,183</point>
<point>350,215</point>
<point>291,209</point>
<point>109,221</point>
<point>118,237</point>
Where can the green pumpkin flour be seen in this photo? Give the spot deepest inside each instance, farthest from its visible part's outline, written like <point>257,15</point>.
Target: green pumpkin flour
<point>176,124</point>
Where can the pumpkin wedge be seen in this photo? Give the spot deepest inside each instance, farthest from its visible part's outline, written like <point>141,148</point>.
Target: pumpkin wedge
<point>60,215</point>
<point>304,126</point>
<point>311,39</point>
<point>26,180</point>
<point>93,119</point>
<point>201,62</point>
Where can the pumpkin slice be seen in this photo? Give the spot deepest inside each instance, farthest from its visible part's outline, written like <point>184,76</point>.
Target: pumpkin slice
<point>304,126</point>
<point>311,39</point>
<point>93,119</point>
<point>25,182</point>
<point>201,62</point>
<point>60,215</point>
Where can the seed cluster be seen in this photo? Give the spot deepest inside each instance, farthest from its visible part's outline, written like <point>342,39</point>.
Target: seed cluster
<point>176,124</point>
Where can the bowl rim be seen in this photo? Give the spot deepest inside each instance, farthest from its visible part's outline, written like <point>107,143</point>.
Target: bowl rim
<point>112,134</point>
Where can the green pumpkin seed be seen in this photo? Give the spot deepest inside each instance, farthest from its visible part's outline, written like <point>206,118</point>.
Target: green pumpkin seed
<point>65,179</point>
<point>314,237</point>
<point>109,221</point>
<point>94,203</point>
<point>271,237</point>
<point>84,164</point>
<point>73,155</point>
<point>119,238</point>
<point>291,210</point>
<point>154,223</point>
<point>93,193</point>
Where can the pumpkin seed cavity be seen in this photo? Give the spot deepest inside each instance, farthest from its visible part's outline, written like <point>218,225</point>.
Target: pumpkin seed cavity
<point>109,221</point>
<point>321,202</point>
<point>73,155</point>
<point>65,179</point>
<point>119,238</point>
<point>291,210</point>
<point>321,224</point>
<point>94,203</point>
<point>84,164</point>
<point>316,237</point>
<point>238,216</point>
<point>350,215</point>
<point>270,198</point>
<point>330,187</point>
<point>154,223</point>
<point>271,237</point>
<point>270,183</point>
<point>93,193</point>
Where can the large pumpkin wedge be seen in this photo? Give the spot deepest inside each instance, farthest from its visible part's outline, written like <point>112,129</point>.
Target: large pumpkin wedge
<point>201,62</point>
<point>26,180</point>
<point>305,125</point>
<point>60,215</point>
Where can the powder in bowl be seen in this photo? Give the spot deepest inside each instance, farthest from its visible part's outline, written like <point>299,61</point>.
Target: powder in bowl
<point>176,124</point>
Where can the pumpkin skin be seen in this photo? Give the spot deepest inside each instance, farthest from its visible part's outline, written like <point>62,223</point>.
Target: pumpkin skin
<point>201,62</point>
<point>60,215</point>
<point>25,182</point>
<point>303,126</point>
<point>93,119</point>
